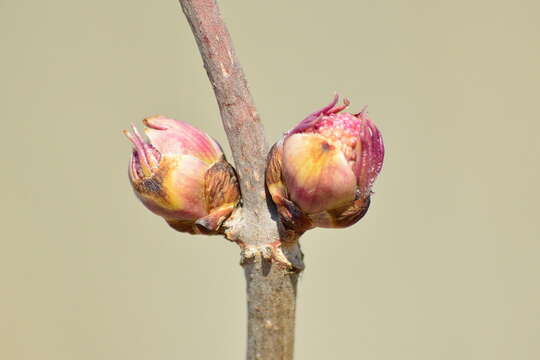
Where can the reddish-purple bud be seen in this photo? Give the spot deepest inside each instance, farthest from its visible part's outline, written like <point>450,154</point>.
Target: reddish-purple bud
<point>321,172</point>
<point>182,175</point>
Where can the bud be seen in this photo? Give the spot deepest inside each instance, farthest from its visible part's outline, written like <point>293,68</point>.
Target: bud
<point>182,175</point>
<point>321,172</point>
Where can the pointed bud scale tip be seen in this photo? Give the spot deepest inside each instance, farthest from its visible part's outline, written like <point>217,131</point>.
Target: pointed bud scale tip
<point>145,158</point>
<point>326,166</point>
<point>173,175</point>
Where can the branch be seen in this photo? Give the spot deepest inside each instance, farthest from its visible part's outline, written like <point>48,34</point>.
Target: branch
<point>271,286</point>
<point>238,114</point>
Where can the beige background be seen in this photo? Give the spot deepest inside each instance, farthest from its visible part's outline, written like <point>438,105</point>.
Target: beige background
<point>444,266</point>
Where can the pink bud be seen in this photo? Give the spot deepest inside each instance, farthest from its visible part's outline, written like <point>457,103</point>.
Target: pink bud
<point>322,171</point>
<point>182,175</point>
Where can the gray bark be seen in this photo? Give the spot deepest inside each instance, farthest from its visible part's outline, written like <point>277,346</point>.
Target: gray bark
<point>271,257</point>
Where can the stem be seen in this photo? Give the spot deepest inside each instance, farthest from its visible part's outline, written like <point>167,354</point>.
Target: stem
<point>271,286</point>
<point>238,114</point>
<point>271,310</point>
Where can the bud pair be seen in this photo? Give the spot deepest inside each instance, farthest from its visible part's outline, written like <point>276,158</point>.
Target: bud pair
<point>182,175</point>
<point>321,172</point>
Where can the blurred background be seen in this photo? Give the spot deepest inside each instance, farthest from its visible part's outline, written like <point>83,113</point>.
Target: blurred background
<point>444,266</point>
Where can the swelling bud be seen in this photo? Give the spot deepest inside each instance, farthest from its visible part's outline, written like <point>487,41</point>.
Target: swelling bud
<point>320,174</point>
<point>181,174</point>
